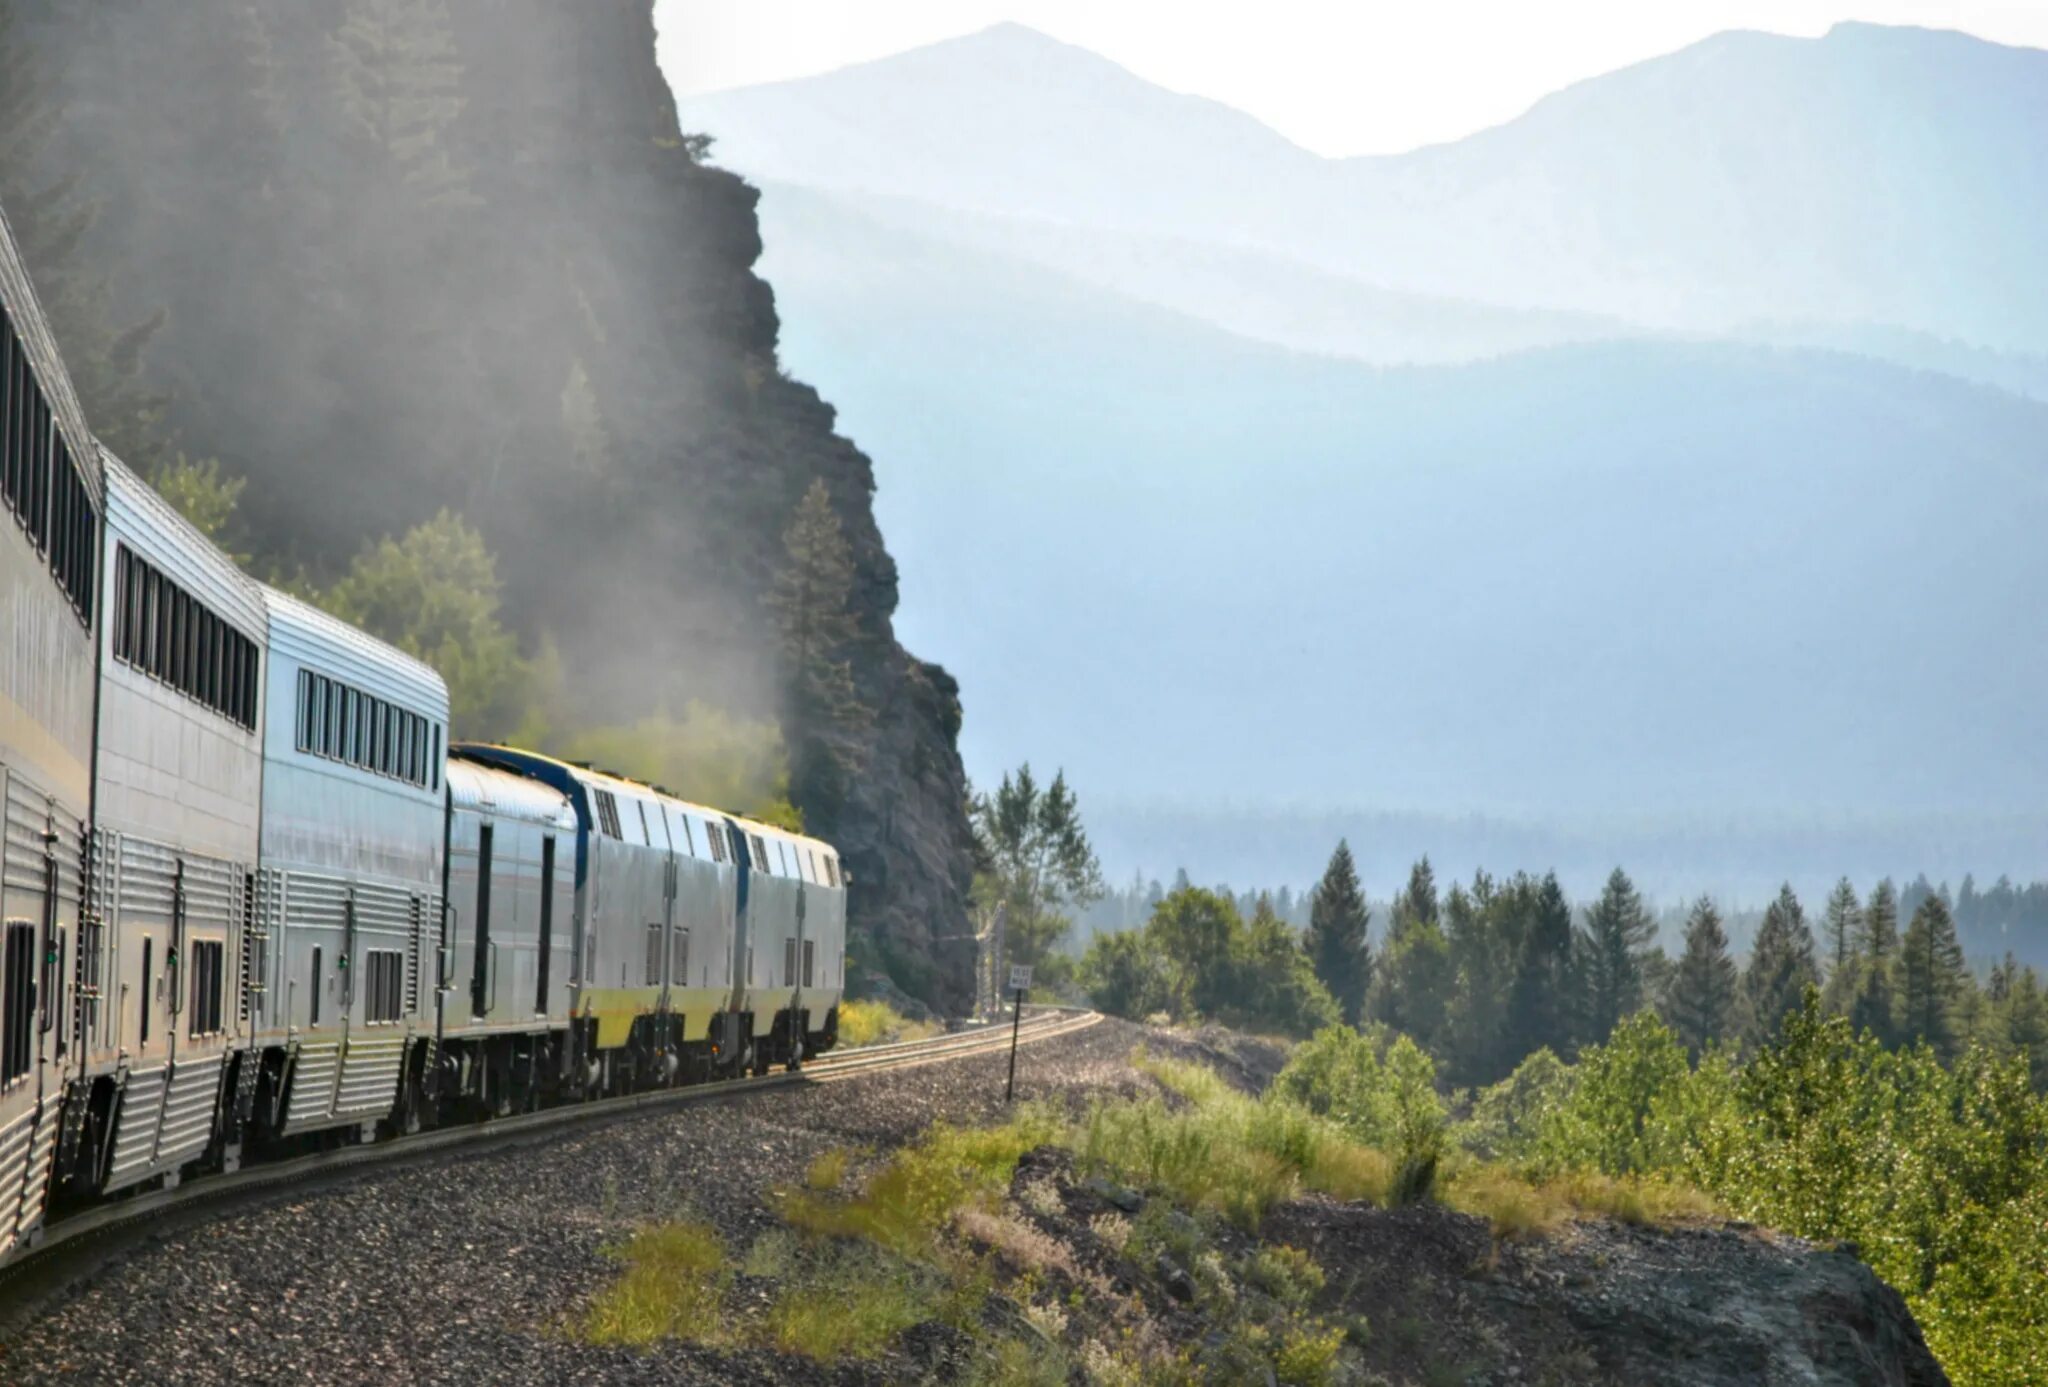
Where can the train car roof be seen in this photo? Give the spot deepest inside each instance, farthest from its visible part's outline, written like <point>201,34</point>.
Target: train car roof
<point>486,789</point>
<point>177,548</point>
<point>301,631</point>
<point>25,311</point>
<point>509,758</point>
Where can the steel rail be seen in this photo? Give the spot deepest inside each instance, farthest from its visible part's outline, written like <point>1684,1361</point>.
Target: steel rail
<point>137,1214</point>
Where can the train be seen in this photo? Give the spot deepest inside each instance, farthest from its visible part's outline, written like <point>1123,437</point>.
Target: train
<point>253,898</point>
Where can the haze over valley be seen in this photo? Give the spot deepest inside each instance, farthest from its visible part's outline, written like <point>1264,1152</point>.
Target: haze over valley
<point>1660,475</point>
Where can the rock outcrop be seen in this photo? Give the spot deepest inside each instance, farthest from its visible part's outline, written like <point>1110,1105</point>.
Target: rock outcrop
<point>383,258</point>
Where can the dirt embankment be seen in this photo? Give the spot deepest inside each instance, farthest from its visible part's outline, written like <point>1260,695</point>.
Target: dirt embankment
<point>477,1271</point>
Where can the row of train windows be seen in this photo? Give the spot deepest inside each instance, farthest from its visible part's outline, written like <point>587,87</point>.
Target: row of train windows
<point>364,731</point>
<point>164,631</point>
<point>41,482</point>
<point>724,842</point>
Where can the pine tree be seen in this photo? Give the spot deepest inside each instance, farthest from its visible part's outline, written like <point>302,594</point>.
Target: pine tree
<point>398,75</point>
<point>1416,902</point>
<point>1874,1007</point>
<point>1412,984</point>
<point>1841,932</point>
<point>1781,967</point>
<point>812,601</point>
<point>1336,943</point>
<point>1705,989</point>
<point>1038,860</point>
<point>1614,943</point>
<point>1539,1016</point>
<point>1932,978</point>
<point>2026,1025</point>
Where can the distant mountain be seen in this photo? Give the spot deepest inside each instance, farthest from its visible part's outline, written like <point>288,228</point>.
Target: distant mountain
<point>1708,486</point>
<point>1876,177</point>
<point>1616,576</point>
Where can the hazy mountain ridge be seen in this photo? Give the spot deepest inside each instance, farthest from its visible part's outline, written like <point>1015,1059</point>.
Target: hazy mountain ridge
<point>1873,178</point>
<point>1576,569</point>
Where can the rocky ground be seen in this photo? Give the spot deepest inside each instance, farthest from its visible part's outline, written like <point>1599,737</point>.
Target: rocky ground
<point>474,1271</point>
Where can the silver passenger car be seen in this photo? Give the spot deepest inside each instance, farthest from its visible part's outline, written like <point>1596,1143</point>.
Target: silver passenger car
<point>693,930</point>
<point>180,772</point>
<point>509,942</point>
<point>347,907</point>
<point>51,490</point>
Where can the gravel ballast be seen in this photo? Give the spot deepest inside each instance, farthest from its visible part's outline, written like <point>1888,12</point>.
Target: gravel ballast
<point>468,1270</point>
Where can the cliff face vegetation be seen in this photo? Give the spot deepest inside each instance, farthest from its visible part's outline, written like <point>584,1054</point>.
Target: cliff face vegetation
<point>385,257</point>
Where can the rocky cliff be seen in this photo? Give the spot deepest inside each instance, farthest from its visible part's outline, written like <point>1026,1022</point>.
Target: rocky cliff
<point>382,257</point>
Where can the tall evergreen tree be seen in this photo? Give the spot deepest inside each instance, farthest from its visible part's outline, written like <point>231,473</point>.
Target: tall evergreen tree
<point>2026,1025</point>
<point>1336,943</point>
<point>1539,1014</point>
<point>1781,967</point>
<point>1932,978</point>
<point>1412,983</point>
<point>1706,987</point>
<point>1614,944</point>
<point>1038,862</point>
<point>398,77</point>
<point>812,603</point>
<point>1874,1008</point>
<point>1841,932</point>
<point>1417,901</point>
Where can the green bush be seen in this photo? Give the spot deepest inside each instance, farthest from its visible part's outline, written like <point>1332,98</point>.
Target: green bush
<point>1383,1095</point>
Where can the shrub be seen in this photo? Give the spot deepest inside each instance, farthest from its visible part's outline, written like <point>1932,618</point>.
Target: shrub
<point>673,1286</point>
<point>878,1023</point>
<point>1382,1095</point>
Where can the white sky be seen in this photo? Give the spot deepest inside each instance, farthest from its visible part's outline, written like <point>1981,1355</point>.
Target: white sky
<point>1339,76</point>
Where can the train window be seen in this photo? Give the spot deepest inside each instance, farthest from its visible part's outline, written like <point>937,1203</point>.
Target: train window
<point>17,1000</point>
<point>608,814</point>
<point>208,977</point>
<point>654,955</point>
<point>547,922</point>
<point>810,961</point>
<point>760,853</point>
<point>148,973</point>
<point>788,962</point>
<point>478,982</point>
<point>712,841</point>
<point>383,986</point>
<point>124,569</point>
<point>689,837</point>
<point>313,1006</point>
<point>679,956</point>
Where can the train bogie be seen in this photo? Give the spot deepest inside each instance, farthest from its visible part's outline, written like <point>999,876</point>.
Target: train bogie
<point>52,493</point>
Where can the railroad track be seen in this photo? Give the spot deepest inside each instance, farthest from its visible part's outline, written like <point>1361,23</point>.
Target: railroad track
<point>72,1247</point>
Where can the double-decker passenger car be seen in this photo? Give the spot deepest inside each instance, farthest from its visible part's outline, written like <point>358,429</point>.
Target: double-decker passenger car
<point>348,892</point>
<point>49,553</point>
<point>180,771</point>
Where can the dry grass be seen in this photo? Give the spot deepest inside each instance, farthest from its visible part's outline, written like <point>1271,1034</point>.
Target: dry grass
<point>673,1287</point>
<point>878,1023</point>
<point>1517,1207</point>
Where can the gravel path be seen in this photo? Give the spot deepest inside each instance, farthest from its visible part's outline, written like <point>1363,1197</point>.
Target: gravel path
<point>466,1271</point>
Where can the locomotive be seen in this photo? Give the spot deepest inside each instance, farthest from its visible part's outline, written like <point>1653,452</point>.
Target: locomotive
<point>253,900</point>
